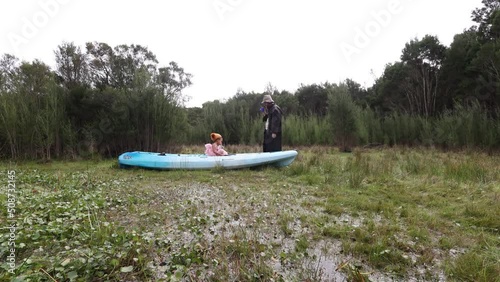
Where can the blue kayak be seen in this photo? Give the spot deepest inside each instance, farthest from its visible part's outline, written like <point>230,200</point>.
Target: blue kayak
<point>202,161</point>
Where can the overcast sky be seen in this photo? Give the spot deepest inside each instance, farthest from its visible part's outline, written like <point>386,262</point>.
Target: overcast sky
<point>239,44</point>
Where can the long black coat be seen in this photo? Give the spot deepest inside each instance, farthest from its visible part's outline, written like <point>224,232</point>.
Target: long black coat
<point>273,144</point>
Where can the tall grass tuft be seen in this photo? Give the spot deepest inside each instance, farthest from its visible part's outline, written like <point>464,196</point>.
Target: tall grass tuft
<point>357,168</point>
<point>463,171</point>
<point>473,267</point>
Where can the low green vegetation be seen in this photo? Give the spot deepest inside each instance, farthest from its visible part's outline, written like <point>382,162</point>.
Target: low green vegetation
<point>373,215</point>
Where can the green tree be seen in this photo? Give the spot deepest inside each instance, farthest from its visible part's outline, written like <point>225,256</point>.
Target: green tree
<point>485,17</point>
<point>342,115</point>
<point>71,65</point>
<point>389,91</point>
<point>424,59</point>
<point>358,93</point>
<point>9,68</point>
<point>172,80</point>
<point>487,60</point>
<point>311,99</point>
<point>458,75</point>
<point>116,67</point>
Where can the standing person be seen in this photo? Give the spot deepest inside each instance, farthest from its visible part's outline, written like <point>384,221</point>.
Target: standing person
<point>272,128</point>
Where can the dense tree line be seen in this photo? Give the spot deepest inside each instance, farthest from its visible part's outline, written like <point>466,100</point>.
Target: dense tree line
<point>435,95</point>
<point>106,100</point>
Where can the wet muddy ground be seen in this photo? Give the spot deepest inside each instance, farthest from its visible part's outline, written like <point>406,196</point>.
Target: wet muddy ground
<point>212,218</point>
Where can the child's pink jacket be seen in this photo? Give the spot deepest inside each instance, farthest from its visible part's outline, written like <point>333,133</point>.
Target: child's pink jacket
<point>210,152</point>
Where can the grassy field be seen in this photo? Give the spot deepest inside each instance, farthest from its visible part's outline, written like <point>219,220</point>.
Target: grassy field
<point>373,215</point>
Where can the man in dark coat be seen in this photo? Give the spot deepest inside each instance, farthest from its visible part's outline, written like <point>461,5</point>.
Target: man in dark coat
<point>272,119</point>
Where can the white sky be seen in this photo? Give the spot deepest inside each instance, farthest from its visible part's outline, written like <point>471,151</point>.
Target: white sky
<point>243,43</point>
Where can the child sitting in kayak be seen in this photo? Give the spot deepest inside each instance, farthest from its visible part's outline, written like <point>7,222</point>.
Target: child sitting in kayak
<point>215,149</point>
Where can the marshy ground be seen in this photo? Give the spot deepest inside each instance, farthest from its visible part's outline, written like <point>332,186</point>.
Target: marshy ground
<point>373,215</point>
